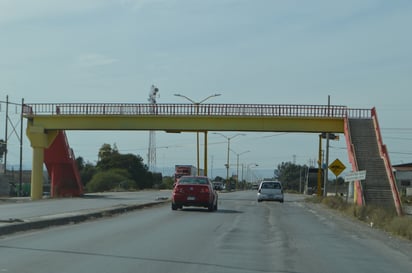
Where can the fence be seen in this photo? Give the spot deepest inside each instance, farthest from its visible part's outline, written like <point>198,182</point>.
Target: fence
<point>270,110</point>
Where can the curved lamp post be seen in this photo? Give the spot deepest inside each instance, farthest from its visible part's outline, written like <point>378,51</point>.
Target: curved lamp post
<point>197,132</point>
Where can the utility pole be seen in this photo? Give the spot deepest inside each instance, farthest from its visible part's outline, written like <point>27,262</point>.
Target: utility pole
<point>151,155</point>
<point>325,191</point>
<point>19,134</point>
<point>6,134</point>
<point>227,165</point>
<point>319,187</point>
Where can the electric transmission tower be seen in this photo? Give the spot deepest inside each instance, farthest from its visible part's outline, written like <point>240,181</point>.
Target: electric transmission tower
<point>151,155</point>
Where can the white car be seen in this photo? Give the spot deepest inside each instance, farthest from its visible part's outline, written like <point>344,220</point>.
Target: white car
<point>270,191</point>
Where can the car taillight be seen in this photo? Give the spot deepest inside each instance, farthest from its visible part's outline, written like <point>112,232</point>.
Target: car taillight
<point>204,190</point>
<point>179,189</point>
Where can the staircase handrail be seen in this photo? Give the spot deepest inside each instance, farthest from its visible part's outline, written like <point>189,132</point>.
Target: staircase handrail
<point>360,199</point>
<point>73,162</point>
<point>388,166</point>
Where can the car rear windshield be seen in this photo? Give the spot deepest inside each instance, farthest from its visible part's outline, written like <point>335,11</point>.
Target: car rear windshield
<point>193,180</point>
<point>271,186</point>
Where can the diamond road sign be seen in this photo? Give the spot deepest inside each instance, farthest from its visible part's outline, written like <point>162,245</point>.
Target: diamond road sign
<point>337,167</point>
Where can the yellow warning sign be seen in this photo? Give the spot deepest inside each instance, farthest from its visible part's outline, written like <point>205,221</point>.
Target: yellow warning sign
<point>337,167</point>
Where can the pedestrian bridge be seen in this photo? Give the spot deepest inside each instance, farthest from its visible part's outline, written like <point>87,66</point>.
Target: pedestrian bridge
<point>47,120</point>
<point>191,117</point>
<point>47,123</point>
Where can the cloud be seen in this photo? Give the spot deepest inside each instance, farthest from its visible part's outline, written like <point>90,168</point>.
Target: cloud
<point>93,59</point>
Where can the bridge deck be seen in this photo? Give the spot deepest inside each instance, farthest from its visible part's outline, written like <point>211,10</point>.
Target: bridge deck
<point>191,117</point>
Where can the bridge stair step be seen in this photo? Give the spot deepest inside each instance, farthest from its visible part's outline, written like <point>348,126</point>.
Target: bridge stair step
<point>376,186</point>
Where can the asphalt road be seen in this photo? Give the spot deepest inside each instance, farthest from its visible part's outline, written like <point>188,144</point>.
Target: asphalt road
<point>242,236</point>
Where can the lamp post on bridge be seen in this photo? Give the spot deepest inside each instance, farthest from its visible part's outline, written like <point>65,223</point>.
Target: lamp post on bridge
<point>197,132</point>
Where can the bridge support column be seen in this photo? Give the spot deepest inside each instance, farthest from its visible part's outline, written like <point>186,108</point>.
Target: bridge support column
<point>39,140</point>
<point>37,173</point>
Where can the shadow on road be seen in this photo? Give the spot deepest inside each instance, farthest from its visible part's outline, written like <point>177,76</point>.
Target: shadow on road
<point>206,211</point>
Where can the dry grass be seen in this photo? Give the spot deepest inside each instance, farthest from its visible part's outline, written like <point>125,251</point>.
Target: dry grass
<point>378,217</point>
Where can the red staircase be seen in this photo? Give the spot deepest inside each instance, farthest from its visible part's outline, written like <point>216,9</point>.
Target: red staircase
<point>62,168</point>
<point>367,152</point>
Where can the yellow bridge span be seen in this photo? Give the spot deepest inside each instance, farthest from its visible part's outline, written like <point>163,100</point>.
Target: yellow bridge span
<point>46,119</point>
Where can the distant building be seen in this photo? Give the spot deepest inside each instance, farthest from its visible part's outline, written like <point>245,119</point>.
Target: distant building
<point>10,183</point>
<point>403,174</point>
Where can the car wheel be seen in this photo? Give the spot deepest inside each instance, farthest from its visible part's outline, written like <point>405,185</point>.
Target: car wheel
<point>215,207</point>
<point>281,201</point>
<point>174,206</point>
<point>259,200</point>
<point>210,207</point>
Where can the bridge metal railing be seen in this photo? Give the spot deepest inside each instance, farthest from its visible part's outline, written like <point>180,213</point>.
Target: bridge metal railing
<point>269,110</point>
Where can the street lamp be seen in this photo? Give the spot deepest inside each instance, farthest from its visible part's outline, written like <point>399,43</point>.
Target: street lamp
<point>237,165</point>
<point>248,175</point>
<point>197,132</point>
<point>228,152</point>
<point>197,103</point>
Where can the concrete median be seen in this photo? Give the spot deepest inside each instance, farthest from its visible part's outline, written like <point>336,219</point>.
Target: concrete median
<point>14,225</point>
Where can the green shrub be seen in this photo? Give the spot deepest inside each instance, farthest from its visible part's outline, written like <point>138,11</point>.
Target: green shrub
<point>110,180</point>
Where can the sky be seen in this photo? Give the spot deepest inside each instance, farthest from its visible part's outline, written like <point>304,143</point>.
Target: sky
<point>355,53</point>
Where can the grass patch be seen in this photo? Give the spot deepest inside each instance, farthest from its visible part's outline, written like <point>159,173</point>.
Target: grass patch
<point>314,199</point>
<point>378,217</point>
<point>401,226</point>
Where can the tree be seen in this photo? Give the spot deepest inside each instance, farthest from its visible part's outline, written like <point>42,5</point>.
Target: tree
<point>3,148</point>
<point>86,169</point>
<point>132,163</point>
<point>107,151</point>
<point>80,163</point>
<point>219,179</point>
<point>167,182</point>
<point>110,159</point>
<point>290,175</point>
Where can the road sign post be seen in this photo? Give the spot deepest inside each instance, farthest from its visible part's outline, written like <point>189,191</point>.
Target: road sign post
<point>352,177</point>
<point>337,168</point>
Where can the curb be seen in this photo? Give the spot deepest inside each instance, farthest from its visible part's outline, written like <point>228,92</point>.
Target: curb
<point>72,218</point>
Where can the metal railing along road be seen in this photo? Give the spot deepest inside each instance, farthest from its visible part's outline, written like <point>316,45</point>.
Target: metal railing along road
<point>264,110</point>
